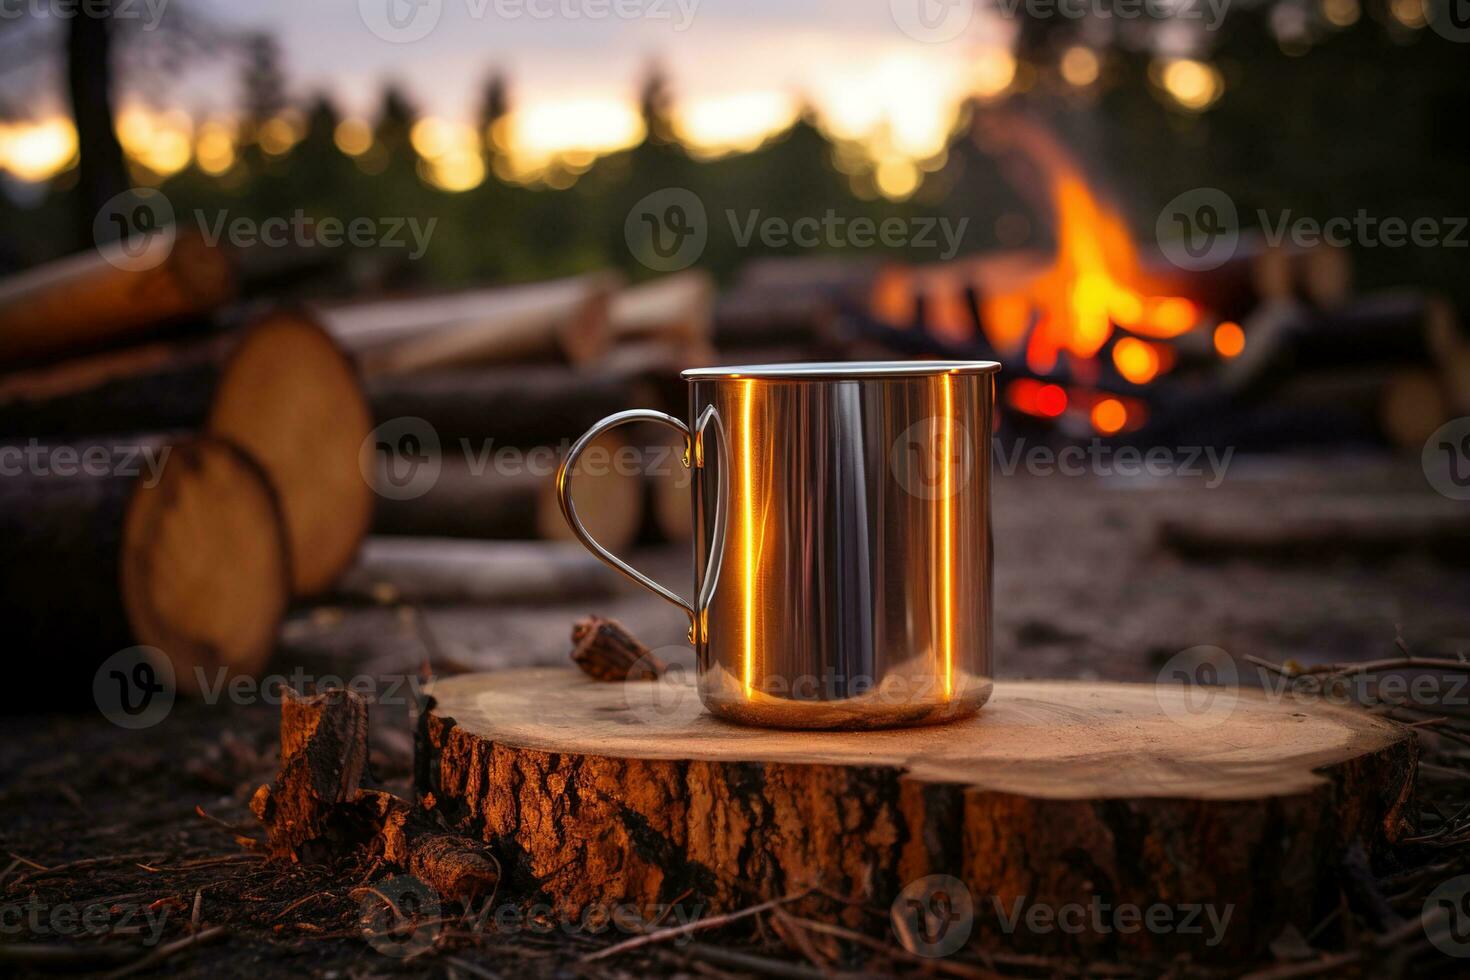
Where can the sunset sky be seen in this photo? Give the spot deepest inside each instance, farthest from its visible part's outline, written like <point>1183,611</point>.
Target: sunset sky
<point>886,75</point>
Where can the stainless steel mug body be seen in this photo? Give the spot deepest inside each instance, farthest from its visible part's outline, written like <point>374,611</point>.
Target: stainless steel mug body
<point>842,540</point>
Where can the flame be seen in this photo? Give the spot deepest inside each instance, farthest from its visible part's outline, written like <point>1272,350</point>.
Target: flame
<point>1093,285</point>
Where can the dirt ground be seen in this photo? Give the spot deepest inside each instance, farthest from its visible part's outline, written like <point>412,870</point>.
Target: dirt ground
<point>1083,590</point>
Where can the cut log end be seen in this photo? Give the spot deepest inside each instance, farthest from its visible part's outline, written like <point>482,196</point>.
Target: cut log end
<point>204,570</point>
<point>292,399</point>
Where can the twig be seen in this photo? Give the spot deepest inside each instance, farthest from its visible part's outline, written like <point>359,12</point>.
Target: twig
<point>747,962</point>
<point>673,932</point>
<point>1331,964</point>
<point>470,968</point>
<point>44,956</point>
<point>164,952</point>
<point>84,864</point>
<point>897,952</point>
<point>298,903</point>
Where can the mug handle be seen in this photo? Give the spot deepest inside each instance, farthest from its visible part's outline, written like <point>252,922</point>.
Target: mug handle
<point>693,457</point>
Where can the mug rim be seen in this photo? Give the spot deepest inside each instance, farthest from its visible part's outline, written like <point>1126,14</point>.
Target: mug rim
<point>840,370</point>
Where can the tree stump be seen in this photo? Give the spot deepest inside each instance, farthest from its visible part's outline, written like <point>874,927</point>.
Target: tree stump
<point>1056,794</point>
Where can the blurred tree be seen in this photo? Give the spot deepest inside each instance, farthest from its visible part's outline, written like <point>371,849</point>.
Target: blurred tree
<point>494,107</point>
<point>396,116</point>
<point>100,171</point>
<point>263,84</point>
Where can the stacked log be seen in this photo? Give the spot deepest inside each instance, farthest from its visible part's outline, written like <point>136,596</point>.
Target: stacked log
<point>1391,364</point>
<point>501,428</point>
<point>108,297</point>
<point>563,320</point>
<point>781,303</point>
<point>278,387</point>
<point>106,545</point>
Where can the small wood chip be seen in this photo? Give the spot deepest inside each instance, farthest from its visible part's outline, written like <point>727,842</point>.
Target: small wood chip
<point>606,651</point>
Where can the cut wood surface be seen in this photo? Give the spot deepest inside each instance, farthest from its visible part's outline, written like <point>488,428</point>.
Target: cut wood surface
<point>278,387</point>
<point>108,295</point>
<point>459,570</point>
<point>563,319</point>
<point>1054,793</point>
<point>180,549</point>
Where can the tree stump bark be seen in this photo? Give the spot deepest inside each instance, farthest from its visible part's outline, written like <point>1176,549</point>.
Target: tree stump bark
<point>1055,794</point>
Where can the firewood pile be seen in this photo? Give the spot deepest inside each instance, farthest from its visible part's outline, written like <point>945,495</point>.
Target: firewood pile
<point>188,452</point>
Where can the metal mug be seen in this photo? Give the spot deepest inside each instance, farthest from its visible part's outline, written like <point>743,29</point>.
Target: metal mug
<point>842,540</point>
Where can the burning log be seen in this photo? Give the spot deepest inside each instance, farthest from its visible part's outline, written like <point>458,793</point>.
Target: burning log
<point>279,388</point>
<point>675,804</point>
<point>106,297</point>
<point>174,546</point>
<point>563,320</point>
<point>515,497</point>
<point>450,570</point>
<point>316,806</point>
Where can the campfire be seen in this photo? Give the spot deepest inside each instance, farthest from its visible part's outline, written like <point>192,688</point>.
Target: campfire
<point>1093,330</point>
